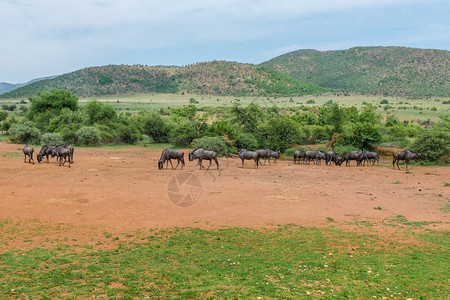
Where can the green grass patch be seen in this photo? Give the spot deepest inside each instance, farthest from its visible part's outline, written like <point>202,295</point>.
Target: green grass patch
<point>288,262</point>
<point>11,154</point>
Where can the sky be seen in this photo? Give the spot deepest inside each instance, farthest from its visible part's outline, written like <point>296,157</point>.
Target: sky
<point>41,38</point>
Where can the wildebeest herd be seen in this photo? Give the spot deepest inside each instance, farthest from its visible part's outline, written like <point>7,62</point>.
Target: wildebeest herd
<point>63,151</point>
<point>300,156</point>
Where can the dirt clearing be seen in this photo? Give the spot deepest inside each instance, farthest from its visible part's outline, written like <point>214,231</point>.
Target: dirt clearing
<point>121,189</point>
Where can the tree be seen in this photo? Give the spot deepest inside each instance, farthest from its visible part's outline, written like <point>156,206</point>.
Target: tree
<point>156,127</point>
<point>48,104</point>
<point>3,115</point>
<point>52,100</point>
<point>280,133</point>
<point>99,113</point>
<point>366,135</point>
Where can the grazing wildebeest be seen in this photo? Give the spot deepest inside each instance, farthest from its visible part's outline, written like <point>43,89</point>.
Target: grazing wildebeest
<point>406,155</point>
<point>319,156</point>
<point>310,155</point>
<point>348,156</point>
<point>267,154</point>
<point>61,152</point>
<point>331,157</point>
<point>28,151</point>
<point>245,154</point>
<point>202,154</point>
<point>299,154</point>
<point>367,156</point>
<point>167,155</point>
<point>45,151</point>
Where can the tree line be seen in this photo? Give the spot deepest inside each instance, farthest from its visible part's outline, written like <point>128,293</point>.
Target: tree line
<point>55,116</point>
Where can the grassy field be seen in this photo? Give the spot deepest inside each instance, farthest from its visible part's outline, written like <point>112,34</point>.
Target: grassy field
<point>288,262</point>
<point>405,109</point>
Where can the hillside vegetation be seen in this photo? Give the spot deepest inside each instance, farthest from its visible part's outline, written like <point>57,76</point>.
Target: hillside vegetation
<point>389,71</point>
<point>213,78</point>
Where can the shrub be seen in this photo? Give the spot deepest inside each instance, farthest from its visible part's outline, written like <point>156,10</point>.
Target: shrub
<point>183,134</point>
<point>128,134</point>
<point>217,144</point>
<point>24,133</point>
<point>156,127</point>
<point>88,136</point>
<point>433,144</point>
<point>247,141</point>
<point>51,138</point>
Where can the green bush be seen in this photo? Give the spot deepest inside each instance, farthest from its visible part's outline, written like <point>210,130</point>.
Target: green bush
<point>128,134</point>
<point>247,141</point>
<point>51,138</point>
<point>217,144</point>
<point>183,134</point>
<point>433,145</point>
<point>24,132</point>
<point>156,127</point>
<point>88,136</point>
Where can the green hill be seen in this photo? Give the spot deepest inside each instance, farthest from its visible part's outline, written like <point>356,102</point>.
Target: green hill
<point>102,81</point>
<point>213,78</point>
<point>394,71</point>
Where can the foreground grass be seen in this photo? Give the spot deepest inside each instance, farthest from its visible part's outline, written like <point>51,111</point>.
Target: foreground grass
<point>288,262</point>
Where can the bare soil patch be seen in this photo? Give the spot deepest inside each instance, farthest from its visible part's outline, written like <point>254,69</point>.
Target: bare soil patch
<point>122,190</point>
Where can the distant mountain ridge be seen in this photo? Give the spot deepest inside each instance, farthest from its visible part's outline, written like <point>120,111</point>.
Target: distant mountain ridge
<point>393,71</point>
<point>389,71</point>
<point>8,87</point>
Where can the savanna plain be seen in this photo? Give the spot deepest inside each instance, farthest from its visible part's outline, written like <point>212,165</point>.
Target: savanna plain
<point>114,226</point>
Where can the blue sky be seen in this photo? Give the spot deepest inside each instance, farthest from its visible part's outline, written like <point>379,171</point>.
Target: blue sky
<point>51,37</point>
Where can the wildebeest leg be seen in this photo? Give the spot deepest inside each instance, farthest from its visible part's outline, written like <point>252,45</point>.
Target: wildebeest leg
<point>217,162</point>
<point>171,163</point>
<point>178,162</point>
<point>256,162</point>
<point>242,162</point>
<point>200,162</point>
<point>25,158</point>
<point>210,162</point>
<point>406,163</point>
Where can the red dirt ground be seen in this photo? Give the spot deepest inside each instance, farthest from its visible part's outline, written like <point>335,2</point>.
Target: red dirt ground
<point>122,190</point>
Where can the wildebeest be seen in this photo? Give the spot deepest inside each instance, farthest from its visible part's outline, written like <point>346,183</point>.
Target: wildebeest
<point>267,154</point>
<point>202,154</point>
<point>28,151</point>
<point>331,157</point>
<point>299,154</point>
<point>367,156</point>
<point>406,155</point>
<point>167,155</point>
<point>348,156</point>
<point>71,149</point>
<point>45,151</point>
<point>310,155</point>
<point>319,156</point>
<point>245,154</point>
<point>61,152</point>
